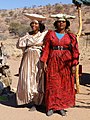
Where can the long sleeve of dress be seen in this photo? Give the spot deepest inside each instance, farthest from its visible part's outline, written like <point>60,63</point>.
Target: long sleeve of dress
<point>46,48</point>
<point>22,42</point>
<point>74,50</point>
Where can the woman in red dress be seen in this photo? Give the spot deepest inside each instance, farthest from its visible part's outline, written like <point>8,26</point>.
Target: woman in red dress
<point>60,56</point>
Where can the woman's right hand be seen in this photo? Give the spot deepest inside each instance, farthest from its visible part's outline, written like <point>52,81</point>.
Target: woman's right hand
<point>74,69</point>
<point>45,67</point>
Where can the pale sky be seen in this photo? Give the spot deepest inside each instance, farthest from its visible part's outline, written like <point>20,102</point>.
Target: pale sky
<point>12,4</point>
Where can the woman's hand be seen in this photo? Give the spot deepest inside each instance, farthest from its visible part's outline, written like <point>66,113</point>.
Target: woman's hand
<point>74,69</point>
<point>45,67</point>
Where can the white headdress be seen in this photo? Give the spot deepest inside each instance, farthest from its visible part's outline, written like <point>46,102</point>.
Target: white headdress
<point>35,17</point>
<point>62,17</point>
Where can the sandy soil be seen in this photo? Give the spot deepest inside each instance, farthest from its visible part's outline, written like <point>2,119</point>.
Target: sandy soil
<point>9,110</point>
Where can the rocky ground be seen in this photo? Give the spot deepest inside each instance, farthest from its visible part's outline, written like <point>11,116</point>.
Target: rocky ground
<point>9,110</point>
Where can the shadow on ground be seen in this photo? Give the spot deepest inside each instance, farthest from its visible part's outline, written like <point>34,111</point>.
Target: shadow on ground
<point>84,102</point>
<point>81,106</point>
<point>11,101</point>
<point>85,79</point>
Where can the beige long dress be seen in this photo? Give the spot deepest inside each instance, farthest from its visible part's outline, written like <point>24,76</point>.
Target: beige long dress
<point>31,76</point>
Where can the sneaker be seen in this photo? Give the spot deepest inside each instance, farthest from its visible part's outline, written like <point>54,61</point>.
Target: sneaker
<point>62,112</point>
<point>50,112</point>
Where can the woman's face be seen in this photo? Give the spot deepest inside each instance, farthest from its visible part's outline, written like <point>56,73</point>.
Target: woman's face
<point>34,26</point>
<point>61,25</point>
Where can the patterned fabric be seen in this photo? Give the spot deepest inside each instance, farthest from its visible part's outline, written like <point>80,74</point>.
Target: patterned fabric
<point>60,92</point>
<point>31,76</point>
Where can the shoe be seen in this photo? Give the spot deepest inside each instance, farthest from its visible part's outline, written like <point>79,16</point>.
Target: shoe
<point>33,108</point>
<point>62,112</point>
<point>50,112</point>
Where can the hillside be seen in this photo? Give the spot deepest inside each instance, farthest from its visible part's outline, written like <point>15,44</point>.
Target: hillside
<point>16,16</point>
<point>16,20</point>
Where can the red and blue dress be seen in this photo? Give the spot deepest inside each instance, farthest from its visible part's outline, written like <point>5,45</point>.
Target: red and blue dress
<point>59,89</point>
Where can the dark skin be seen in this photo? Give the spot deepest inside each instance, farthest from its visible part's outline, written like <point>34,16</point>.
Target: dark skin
<point>35,28</point>
<point>61,27</point>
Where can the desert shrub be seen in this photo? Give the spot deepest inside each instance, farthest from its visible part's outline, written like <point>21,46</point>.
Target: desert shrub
<point>87,21</point>
<point>7,20</point>
<point>18,29</point>
<point>3,37</point>
<point>4,14</point>
<point>3,27</point>
<point>58,8</point>
<point>22,30</point>
<point>11,13</point>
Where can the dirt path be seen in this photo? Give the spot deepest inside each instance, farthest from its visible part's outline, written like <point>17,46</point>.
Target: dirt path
<point>9,111</point>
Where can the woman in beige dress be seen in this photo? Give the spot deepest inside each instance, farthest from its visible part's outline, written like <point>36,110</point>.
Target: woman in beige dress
<point>31,76</point>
